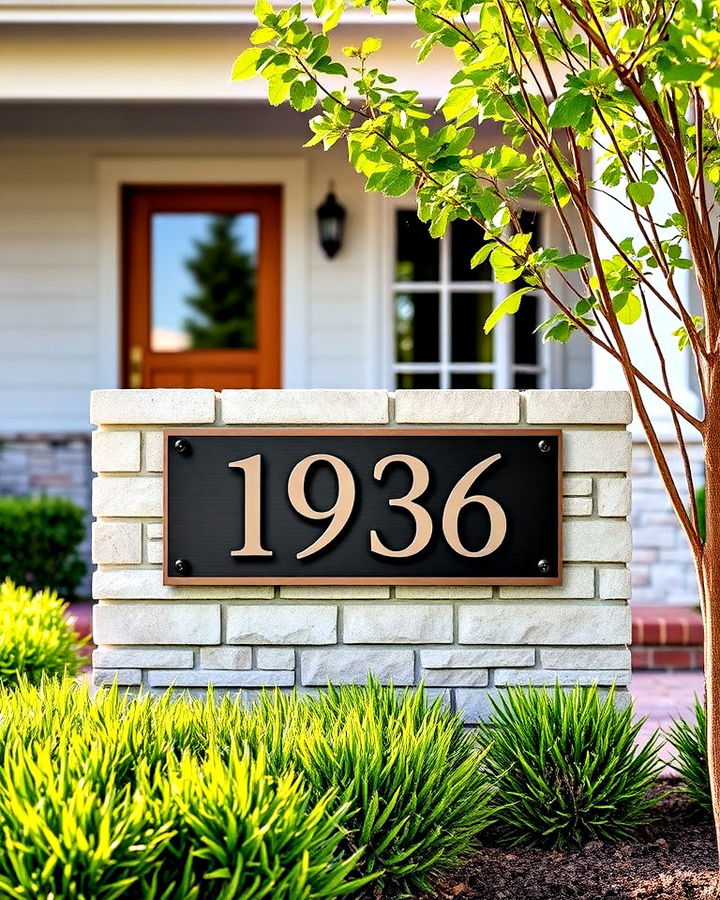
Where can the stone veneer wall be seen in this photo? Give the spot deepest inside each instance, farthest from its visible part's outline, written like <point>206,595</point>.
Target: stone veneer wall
<point>465,642</point>
<point>52,464</point>
<point>663,572</point>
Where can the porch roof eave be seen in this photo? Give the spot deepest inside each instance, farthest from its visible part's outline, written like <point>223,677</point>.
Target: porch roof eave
<point>164,12</point>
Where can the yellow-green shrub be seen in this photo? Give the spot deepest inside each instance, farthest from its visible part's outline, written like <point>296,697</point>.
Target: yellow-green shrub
<point>295,798</point>
<point>35,637</point>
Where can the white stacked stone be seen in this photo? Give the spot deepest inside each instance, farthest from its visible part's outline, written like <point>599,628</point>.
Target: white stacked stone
<point>466,643</point>
<point>663,569</point>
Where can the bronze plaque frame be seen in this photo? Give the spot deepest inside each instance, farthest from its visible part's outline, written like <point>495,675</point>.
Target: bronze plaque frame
<point>359,431</point>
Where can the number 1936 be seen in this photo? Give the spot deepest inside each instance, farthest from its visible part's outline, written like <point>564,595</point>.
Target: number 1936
<point>341,510</point>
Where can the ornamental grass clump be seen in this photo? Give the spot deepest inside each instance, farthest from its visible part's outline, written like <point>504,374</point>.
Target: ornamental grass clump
<point>158,799</point>
<point>409,773</point>
<point>689,740</point>
<point>35,637</point>
<point>567,767</point>
<point>173,798</point>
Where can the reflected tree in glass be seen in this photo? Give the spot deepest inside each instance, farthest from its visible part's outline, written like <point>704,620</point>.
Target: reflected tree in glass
<point>223,300</point>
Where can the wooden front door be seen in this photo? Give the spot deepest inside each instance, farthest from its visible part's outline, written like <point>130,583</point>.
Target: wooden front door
<point>201,286</point>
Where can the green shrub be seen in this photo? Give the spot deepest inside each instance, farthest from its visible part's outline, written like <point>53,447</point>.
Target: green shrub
<point>39,537</point>
<point>85,816</point>
<point>409,773</point>
<point>35,637</point>
<point>689,741</point>
<point>240,833</point>
<point>292,798</point>
<point>567,767</point>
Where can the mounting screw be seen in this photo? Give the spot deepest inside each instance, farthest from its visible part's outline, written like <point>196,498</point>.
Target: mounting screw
<point>182,567</point>
<point>543,566</point>
<point>183,447</point>
<point>543,446</point>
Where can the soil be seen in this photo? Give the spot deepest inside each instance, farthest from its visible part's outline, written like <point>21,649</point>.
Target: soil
<point>674,859</point>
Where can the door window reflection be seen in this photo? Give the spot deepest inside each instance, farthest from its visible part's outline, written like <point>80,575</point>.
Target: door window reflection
<point>203,281</point>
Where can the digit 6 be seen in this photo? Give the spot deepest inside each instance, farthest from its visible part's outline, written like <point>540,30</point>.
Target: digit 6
<point>457,500</point>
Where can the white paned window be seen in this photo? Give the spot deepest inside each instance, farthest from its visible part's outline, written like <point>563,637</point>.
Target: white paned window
<point>440,305</point>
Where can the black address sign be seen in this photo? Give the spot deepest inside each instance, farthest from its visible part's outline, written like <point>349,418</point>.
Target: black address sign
<point>362,506</point>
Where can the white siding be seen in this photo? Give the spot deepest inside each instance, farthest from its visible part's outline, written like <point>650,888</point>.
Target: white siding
<point>49,271</point>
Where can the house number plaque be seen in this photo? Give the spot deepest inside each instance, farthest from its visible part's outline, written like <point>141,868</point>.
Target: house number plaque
<point>362,506</point>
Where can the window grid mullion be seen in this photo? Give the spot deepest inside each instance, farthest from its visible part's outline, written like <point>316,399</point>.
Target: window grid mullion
<point>445,310</point>
<point>503,366</point>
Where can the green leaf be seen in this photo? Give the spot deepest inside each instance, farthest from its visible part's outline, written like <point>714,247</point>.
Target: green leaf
<point>570,110</point>
<point>245,66</point>
<point>303,95</point>
<point>370,45</point>
<point>571,261</point>
<point>509,306</point>
<point>334,17</point>
<point>505,266</point>
<point>687,72</point>
<point>640,192</point>
<point>560,331</point>
<point>278,90</point>
<point>682,336</point>
<point>481,255</point>
<point>397,182</point>
<point>262,35</point>
<point>459,99</point>
<point>628,307</point>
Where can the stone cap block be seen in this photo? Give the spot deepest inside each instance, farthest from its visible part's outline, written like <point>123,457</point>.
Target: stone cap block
<point>578,407</point>
<point>165,406</point>
<point>457,407</point>
<point>304,407</point>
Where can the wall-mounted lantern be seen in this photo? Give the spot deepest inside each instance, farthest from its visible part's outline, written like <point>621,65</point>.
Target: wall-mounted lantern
<point>331,223</point>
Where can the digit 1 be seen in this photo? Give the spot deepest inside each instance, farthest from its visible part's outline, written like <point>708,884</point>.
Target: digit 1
<point>252,469</point>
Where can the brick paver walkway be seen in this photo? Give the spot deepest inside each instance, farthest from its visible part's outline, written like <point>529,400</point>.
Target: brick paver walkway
<point>662,696</point>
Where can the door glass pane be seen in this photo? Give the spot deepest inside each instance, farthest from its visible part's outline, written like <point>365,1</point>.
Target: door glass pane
<point>203,281</point>
<point>409,380</point>
<point>482,380</point>
<point>466,238</point>
<point>417,255</point>
<point>417,320</point>
<point>468,341</point>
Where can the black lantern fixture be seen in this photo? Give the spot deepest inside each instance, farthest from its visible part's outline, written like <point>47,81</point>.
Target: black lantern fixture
<point>331,223</point>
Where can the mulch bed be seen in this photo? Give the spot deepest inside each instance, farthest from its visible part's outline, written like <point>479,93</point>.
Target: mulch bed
<point>675,859</point>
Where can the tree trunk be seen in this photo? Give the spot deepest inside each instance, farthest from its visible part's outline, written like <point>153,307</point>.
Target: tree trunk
<point>709,579</point>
